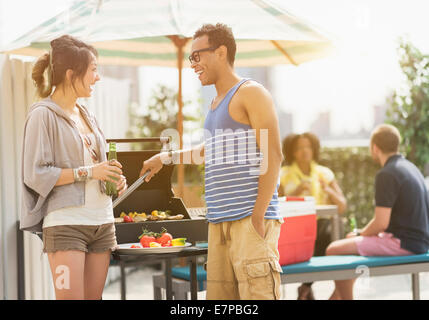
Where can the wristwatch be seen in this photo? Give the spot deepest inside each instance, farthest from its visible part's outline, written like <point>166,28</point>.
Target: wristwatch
<point>174,156</point>
<point>171,157</point>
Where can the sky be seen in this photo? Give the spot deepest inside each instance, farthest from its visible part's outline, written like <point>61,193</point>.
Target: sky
<point>364,70</point>
<point>362,73</point>
<point>14,21</point>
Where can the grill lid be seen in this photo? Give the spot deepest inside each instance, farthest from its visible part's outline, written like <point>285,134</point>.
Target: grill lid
<point>156,194</point>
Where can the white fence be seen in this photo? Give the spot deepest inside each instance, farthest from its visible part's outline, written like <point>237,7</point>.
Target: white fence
<point>17,93</point>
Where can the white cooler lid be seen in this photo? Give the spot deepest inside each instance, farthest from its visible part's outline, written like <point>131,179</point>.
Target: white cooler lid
<point>297,208</point>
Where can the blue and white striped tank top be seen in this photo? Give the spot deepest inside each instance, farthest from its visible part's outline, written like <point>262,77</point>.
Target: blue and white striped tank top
<point>232,166</point>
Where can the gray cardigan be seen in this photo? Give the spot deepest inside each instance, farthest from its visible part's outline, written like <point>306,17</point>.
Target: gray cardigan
<point>51,143</point>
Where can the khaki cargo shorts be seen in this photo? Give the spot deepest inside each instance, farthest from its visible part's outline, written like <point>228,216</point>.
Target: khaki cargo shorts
<point>241,265</point>
<point>91,239</point>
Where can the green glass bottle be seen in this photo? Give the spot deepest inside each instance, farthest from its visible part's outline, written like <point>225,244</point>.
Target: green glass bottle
<point>110,186</point>
<point>353,223</point>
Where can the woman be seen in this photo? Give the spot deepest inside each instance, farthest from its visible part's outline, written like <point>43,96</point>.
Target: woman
<point>64,172</point>
<point>303,176</point>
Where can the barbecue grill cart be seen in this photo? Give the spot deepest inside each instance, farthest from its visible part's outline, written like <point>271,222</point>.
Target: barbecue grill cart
<point>145,197</point>
<point>156,194</point>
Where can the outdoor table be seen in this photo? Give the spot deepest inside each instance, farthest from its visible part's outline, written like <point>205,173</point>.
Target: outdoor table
<point>331,212</point>
<point>190,253</point>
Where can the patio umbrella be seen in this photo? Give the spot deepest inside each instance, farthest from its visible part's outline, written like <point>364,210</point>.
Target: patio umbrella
<point>158,33</point>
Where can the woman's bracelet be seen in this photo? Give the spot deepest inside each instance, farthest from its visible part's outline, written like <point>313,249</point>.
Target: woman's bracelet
<point>82,173</point>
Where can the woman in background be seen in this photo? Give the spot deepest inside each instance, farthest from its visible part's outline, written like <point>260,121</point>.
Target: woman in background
<point>303,176</point>
<point>64,170</point>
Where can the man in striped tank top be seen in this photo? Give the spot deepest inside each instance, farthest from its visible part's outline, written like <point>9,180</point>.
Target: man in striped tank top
<point>242,155</point>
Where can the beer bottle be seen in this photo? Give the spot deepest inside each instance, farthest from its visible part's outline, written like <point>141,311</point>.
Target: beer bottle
<point>110,186</point>
<point>353,224</point>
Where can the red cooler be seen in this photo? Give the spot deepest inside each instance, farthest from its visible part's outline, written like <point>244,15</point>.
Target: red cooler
<point>298,232</point>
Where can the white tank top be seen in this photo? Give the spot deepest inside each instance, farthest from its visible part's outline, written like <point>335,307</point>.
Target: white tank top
<point>97,209</point>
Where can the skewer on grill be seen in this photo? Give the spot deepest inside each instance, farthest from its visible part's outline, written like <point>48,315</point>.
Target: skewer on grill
<point>131,189</point>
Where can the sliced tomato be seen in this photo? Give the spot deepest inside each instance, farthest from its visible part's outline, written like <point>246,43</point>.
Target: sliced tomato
<point>168,244</point>
<point>146,240</point>
<point>164,238</point>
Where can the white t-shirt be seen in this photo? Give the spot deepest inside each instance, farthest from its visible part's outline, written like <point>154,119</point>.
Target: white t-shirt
<point>97,209</point>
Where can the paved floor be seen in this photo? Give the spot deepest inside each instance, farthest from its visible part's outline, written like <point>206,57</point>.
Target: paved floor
<point>139,287</point>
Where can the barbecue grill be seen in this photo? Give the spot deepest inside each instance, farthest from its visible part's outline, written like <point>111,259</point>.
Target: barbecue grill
<point>156,194</point>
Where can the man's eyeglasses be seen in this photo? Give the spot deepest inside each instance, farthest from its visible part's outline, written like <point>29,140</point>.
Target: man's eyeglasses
<point>195,56</point>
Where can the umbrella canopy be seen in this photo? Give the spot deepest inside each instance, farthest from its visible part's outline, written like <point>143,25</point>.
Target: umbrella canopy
<point>133,32</point>
<point>157,33</point>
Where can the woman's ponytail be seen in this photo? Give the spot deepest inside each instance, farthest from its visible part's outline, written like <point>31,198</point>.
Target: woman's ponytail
<point>44,88</point>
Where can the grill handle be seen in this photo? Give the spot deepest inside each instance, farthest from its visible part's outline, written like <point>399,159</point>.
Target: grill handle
<point>151,139</point>
<point>130,189</point>
<point>165,141</point>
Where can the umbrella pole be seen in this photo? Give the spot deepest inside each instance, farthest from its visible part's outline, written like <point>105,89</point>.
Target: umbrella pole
<point>180,44</point>
<point>181,168</point>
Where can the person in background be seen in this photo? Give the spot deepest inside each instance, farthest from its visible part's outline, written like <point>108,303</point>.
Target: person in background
<point>303,176</point>
<point>401,218</point>
<point>64,170</point>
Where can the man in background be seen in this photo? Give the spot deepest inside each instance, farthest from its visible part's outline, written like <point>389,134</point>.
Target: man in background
<point>401,219</point>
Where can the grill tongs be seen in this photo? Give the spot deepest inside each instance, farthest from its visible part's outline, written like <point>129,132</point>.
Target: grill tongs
<point>139,181</point>
<point>130,189</point>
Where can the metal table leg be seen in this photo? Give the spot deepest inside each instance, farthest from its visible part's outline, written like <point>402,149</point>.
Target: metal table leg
<point>123,281</point>
<point>335,221</point>
<point>194,281</point>
<point>21,262</point>
<point>416,286</point>
<point>168,280</point>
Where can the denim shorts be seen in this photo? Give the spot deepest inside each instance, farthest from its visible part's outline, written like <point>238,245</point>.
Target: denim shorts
<point>91,239</point>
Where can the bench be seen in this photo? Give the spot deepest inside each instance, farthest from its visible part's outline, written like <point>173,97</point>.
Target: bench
<point>351,266</point>
<point>319,269</point>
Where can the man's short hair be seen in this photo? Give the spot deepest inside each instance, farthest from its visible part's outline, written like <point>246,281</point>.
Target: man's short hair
<point>386,137</point>
<point>219,34</point>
